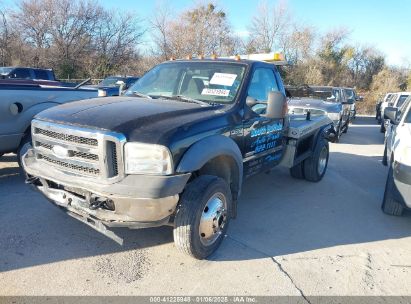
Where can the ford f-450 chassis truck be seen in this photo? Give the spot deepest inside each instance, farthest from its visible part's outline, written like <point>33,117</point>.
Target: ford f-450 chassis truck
<point>174,150</point>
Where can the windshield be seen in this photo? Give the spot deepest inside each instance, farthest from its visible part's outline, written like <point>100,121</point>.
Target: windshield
<point>350,94</point>
<point>5,71</point>
<point>401,100</point>
<point>211,82</point>
<point>408,118</point>
<point>111,82</point>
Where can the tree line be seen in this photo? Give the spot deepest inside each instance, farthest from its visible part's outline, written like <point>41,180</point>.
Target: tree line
<point>81,38</point>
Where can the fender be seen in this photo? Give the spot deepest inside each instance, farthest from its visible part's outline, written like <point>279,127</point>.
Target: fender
<point>327,132</point>
<point>208,148</point>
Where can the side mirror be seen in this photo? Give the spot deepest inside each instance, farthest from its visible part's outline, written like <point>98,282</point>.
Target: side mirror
<point>276,105</point>
<point>359,98</point>
<point>391,114</point>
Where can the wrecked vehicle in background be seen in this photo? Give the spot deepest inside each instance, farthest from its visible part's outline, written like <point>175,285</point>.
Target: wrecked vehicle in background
<point>321,100</point>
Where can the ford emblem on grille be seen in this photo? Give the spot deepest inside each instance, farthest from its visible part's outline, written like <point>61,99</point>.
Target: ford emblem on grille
<point>60,151</point>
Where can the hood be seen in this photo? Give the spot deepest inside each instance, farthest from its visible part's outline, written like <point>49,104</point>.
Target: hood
<point>310,103</point>
<point>139,119</point>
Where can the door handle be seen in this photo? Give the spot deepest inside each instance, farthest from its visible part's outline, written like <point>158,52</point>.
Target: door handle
<point>16,108</point>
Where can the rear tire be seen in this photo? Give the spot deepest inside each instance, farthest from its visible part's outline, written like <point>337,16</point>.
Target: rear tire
<point>316,165</point>
<point>390,205</point>
<point>297,171</point>
<point>202,217</point>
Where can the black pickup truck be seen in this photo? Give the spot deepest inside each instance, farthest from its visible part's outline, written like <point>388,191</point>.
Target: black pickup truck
<point>174,150</point>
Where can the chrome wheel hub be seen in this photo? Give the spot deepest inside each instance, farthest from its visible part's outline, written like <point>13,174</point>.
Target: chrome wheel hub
<point>213,219</point>
<point>322,161</point>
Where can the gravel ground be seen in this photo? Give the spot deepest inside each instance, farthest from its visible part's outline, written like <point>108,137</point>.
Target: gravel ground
<point>290,238</point>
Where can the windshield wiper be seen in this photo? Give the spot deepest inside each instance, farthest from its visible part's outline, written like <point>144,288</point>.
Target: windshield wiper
<point>185,99</point>
<point>139,94</point>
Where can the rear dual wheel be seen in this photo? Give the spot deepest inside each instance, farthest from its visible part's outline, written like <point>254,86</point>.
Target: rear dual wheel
<point>313,168</point>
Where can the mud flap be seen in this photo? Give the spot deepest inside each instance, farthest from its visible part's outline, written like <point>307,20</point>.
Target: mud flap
<point>98,226</point>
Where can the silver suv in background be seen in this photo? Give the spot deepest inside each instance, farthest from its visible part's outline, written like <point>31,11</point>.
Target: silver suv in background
<point>322,100</point>
<point>396,100</point>
<point>397,155</point>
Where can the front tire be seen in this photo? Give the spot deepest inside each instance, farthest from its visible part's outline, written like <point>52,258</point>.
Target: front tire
<point>385,156</point>
<point>382,126</point>
<point>390,205</point>
<point>202,217</point>
<point>316,165</point>
<point>346,126</point>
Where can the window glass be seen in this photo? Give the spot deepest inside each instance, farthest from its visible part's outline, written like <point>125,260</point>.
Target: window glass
<point>214,82</point>
<point>20,74</point>
<point>262,82</point>
<point>41,74</point>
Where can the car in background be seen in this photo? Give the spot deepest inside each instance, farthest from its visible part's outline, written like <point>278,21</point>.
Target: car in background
<point>115,85</point>
<point>385,103</point>
<point>397,156</point>
<point>396,101</point>
<point>321,100</point>
<point>27,73</point>
<point>351,97</point>
<point>21,100</point>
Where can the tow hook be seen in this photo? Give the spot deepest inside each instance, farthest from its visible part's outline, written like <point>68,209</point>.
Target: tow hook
<point>32,180</point>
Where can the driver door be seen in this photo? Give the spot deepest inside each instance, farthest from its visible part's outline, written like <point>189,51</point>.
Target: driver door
<point>263,142</point>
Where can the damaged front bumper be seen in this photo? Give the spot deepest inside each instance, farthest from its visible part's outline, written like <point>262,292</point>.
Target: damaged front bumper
<point>135,202</point>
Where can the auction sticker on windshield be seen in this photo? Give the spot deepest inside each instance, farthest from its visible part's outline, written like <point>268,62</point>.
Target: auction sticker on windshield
<point>223,79</point>
<point>215,92</point>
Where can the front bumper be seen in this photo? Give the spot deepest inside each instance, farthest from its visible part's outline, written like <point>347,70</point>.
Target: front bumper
<point>137,201</point>
<point>402,180</point>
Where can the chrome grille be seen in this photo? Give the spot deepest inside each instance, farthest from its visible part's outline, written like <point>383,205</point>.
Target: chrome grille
<point>84,152</point>
<point>67,137</point>
<point>69,165</point>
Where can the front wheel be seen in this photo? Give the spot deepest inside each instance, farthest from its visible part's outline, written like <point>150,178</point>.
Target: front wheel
<point>316,165</point>
<point>382,126</point>
<point>202,217</point>
<point>385,156</point>
<point>389,204</point>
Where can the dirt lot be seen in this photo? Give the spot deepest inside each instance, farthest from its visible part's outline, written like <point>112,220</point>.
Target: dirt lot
<point>290,238</point>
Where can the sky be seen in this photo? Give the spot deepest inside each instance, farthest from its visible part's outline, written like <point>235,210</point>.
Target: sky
<point>383,24</point>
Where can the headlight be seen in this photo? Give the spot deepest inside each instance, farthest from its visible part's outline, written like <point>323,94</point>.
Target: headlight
<point>334,116</point>
<point>404,155</point>
<point>102,93</point>
<point>147,159</point>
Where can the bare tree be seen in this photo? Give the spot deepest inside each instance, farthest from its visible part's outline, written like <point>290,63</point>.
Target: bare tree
<point>6,37</point>
<point>203,30</point>
<point>115,42</point>
<point>268,26</point>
